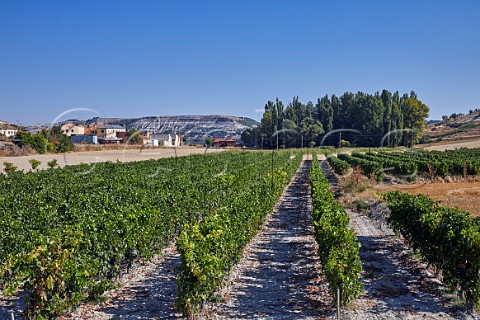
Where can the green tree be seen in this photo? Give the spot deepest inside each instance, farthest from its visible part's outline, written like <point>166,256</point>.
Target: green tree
<point>280,119</point>
<point>344,144</point>
<point>24,138</point>
<point>415,112</point>
<point>133,136</point>
<point>372,115</point>
<point>397,120</point>
<point>208,142</point>
<point>337,112</point>
<point>325,113</point>
<point>310,129</point>
<point>61,143</point>
<point>291,134</point>
<point>39,143</point>
<point>248,137</point>
<point>387,118</point>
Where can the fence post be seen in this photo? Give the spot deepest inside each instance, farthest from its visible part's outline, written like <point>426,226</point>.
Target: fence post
<point>339,305</point>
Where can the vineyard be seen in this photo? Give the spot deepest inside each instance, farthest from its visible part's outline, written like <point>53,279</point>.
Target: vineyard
<point>68,233</point>
<point>447,238</point>
<point>338,246</point>
<point>410,164</point>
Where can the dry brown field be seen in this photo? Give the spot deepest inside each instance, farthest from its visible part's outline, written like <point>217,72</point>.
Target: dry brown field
<point>462,194</point>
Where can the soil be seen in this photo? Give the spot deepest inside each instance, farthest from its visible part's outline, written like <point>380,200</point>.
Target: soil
<point>450,145</point>
<point>396,286</point>
<point>280,275</point>
<point>462,194</point>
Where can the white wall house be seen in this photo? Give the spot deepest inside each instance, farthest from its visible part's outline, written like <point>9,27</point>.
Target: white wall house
<point>109,131</point>
<point>71,129</point>
<point>8,131</point>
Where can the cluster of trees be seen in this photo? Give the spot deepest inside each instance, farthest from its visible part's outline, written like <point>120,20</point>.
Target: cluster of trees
<point>362,119</point>
<point>52,140</point>
<point>455,116</point>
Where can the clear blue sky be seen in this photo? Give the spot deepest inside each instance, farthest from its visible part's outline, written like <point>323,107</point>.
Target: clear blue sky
<point>138,58</point>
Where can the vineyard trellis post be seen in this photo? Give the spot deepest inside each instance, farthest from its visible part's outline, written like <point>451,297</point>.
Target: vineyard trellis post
<point>339,304</point>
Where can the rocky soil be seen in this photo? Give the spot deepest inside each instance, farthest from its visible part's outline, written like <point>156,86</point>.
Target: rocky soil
<point>280,275</point>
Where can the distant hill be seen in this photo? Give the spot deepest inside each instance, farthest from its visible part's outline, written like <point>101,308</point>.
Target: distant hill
<point>463,127</point>
<point>195,127</point>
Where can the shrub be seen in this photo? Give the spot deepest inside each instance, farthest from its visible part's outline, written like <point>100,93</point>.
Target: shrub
<point>52,164</point>
<point>35,163</point>
<point>344,144</point>
<point>9,167</point>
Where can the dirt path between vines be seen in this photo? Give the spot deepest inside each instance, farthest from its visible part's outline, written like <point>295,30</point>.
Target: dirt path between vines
<point>392,289</point>
<point>395,285</point>
<point>279,276</point>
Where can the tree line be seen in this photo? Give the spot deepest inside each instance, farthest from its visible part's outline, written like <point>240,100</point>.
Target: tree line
<point>361,119</point>
<point>52,140</point>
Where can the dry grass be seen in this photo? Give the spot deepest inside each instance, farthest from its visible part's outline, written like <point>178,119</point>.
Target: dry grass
<point>462,194</point>
<point>450,145</point>
<point>360,192</point>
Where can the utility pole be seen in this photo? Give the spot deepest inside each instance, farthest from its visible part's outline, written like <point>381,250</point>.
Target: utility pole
<point>340,140</point>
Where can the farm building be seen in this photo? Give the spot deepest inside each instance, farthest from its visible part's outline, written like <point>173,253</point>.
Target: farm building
<point>222,143</point>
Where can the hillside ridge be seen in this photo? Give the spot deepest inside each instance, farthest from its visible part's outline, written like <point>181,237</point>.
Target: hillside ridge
<point>195,128</point>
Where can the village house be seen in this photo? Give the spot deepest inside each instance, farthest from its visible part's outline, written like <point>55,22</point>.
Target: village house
<point>91,130</point>
<point>164,139</point>
<point>8,130</point>
<point>107,132</point>
<point>70,129</point>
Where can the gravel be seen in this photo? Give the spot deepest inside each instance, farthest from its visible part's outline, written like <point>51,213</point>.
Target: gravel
<point>279,276</point>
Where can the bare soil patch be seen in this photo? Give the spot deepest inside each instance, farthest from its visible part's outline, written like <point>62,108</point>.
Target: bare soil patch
<point>450,145</point>
<point>464,195</point>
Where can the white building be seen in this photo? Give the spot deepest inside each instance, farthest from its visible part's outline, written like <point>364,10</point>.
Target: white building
<point>167,139</point>
<point>71,129</point>
<point>8,131</point>
<point>109,131</point>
